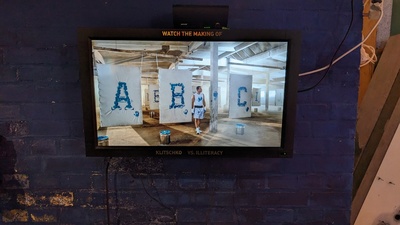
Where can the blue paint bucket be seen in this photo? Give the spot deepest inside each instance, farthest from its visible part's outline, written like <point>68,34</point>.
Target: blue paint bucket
<point>165,137</point>
<point>240,128</point>
<point>102,140</point>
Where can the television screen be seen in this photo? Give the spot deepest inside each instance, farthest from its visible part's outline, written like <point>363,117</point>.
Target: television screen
<point>181,92</point>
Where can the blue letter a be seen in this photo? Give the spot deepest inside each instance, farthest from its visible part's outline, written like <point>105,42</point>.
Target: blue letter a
<point>122,97</point>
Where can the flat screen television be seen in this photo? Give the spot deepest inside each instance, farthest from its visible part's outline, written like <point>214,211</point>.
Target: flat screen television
<point>189,92</point>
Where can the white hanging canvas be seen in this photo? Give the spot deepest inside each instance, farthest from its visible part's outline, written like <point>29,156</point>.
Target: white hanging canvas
<point>175,96</point>
<point>119,95</point>
<point>240,91</point>
<point>154,96</point>
<point>256,99</point>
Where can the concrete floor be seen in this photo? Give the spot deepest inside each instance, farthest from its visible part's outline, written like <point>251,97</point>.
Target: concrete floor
<point>261,129</point>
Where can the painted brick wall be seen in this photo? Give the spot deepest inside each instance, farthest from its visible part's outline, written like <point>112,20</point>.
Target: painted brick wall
<point>46,178</point>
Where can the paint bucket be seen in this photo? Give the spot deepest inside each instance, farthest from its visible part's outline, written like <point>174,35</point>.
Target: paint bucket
<point>102,140</point>
<point>165,137</point>
<point>240,128</point>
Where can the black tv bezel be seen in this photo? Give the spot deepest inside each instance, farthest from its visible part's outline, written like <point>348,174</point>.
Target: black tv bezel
<point>85,37</point>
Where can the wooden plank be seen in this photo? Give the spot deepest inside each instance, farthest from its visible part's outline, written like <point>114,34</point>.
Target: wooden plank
<point>378,90</point>
<point>367,71</point>
<point>365,78</point>
<point>376,136</point>
<point>382,201</point>
<point>378,154</point>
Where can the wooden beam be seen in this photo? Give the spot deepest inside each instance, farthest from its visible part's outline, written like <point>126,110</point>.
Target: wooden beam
<point>378,90</point>
<point>367,71</point>
<point>376,157</point>
<point>378,117</point>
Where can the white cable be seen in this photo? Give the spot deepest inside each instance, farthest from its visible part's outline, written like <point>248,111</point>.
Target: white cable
<point>349,51</point>
<point>365,57</point>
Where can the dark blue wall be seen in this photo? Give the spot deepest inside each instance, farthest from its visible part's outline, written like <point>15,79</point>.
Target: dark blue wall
<point>45,176</point>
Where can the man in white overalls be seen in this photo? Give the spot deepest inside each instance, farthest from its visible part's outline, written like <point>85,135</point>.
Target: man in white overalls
<point>198,108</point>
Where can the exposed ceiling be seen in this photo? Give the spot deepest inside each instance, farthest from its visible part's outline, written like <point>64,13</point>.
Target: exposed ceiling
<point>263,60</point>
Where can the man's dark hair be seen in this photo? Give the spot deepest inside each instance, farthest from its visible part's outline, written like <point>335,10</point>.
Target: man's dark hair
<point>197,88</point>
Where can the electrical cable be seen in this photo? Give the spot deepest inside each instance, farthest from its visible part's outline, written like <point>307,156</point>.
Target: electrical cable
<point>372,59</point>
<point>152,197</point>
<point>365,57</point>
<point>369,34</point>
<point>116,198</point>
<point>337,50</point>
<point>107,192</point>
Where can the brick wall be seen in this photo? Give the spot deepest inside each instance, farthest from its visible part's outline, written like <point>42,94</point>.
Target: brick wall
<point>46,178</point>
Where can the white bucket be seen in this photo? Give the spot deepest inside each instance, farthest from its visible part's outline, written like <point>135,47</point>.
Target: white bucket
<point>240,128</point>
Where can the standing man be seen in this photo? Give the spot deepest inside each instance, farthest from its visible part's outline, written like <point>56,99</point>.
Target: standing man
<point>198,108</point>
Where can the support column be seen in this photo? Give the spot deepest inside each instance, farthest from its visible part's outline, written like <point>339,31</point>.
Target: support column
<point>214,87</point>
<point>228,74</point>
<point>267,92</point>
